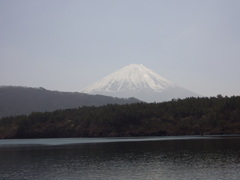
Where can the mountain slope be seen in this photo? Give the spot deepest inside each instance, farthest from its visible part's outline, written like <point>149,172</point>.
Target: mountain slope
<point>138,81</point>
<point>23,100</point>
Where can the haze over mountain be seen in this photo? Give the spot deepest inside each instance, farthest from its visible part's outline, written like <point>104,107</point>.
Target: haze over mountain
<point>25,100</point>
<point>140,82</point>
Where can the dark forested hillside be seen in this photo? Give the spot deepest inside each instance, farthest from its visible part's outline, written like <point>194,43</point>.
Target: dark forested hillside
<point>23,100</point>
<point>191,116</point>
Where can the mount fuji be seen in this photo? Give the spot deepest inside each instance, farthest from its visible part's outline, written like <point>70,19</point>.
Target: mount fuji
<point>140,82</point>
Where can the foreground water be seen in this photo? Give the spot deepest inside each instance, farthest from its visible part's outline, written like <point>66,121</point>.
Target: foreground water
<point>157,158</point>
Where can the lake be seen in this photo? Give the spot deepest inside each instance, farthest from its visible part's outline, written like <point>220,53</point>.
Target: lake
<point>141,158</point>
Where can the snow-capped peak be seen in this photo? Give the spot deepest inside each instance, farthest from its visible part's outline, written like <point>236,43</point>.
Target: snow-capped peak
<point>134,77</point>
<point>140,82</point>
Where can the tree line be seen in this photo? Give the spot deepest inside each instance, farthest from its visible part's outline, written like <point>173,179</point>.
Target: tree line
<point>190,116</point>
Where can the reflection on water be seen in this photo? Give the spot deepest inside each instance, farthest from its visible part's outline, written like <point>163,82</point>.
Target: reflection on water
<point>160,160</point>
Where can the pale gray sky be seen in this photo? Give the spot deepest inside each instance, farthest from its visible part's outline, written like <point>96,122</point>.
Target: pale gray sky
<point>67,45</point>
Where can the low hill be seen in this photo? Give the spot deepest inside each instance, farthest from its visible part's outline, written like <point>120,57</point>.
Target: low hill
<point>191,116</point>
<point>24,100</point>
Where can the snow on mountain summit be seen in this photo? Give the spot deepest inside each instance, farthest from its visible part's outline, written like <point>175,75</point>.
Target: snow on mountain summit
<point>132,77</point>
<point>134,80</point>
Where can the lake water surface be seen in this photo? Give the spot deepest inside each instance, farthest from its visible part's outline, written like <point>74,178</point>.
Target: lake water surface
<point>147,158</point>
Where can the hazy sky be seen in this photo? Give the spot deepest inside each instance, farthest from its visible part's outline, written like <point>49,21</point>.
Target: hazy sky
<point>67,45</point>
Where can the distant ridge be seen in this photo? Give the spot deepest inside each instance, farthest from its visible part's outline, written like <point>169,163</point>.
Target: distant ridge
<point>24,100</point>
<point>140,82</point>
